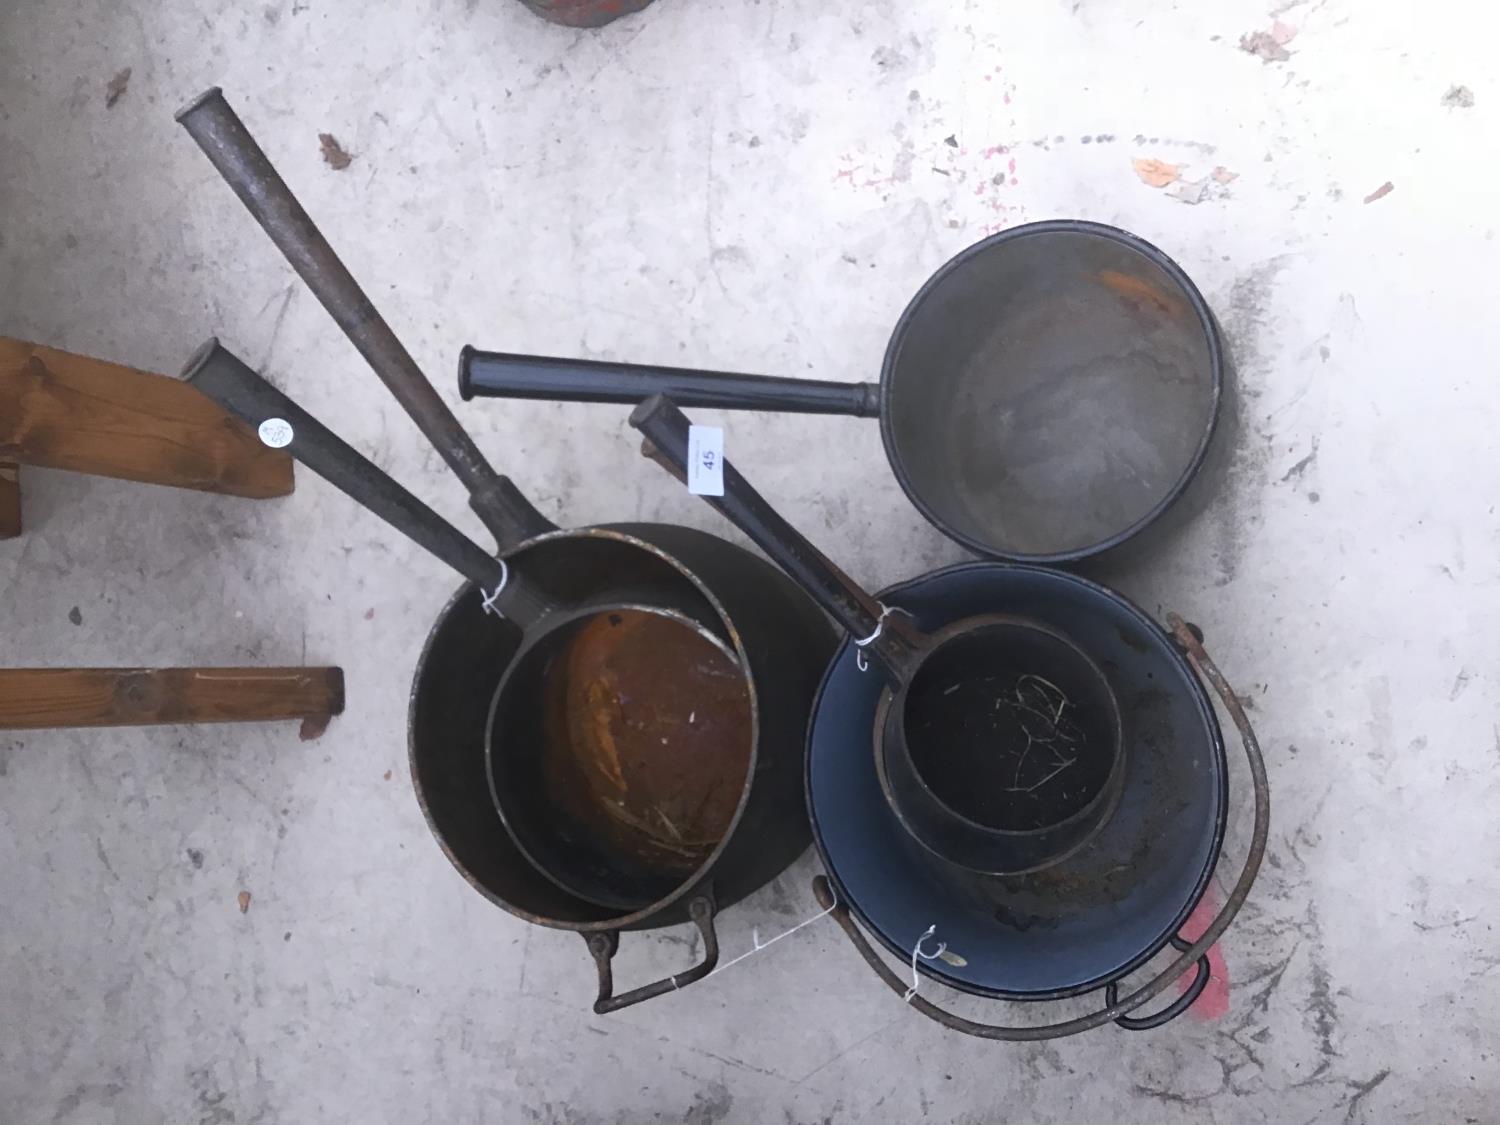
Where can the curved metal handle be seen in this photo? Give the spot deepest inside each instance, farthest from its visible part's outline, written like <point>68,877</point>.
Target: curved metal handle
<point>1176,1007</point>
<point>555,379</point>
<point>1195,952</point>
<point>889,638</point>
<point>245,167</point>
<point>603,946</point>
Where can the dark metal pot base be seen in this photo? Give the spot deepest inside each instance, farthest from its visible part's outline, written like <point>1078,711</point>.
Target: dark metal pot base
<point>1100,913</point>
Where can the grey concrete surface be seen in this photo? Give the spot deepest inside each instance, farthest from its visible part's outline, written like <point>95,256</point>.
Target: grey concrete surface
<point>758,186</point>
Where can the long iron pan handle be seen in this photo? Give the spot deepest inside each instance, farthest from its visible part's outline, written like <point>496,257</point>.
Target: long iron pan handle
<point>231,149</point>
<point>223,377</point>
<point>666,428</point>
<point>505,375</point>
<point>1115,1008</point>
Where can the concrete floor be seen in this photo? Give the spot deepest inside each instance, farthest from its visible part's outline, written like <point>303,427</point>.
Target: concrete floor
<point>756,186</point>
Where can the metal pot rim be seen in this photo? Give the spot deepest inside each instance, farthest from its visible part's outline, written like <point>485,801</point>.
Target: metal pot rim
<point>1101,804</point>
<point>1055,226</point>
<point>620,533</point>
<point>1202,704</point>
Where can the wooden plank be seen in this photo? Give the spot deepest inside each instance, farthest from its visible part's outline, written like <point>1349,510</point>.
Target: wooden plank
<point>10,500</point>
<point>66,411</point>
<point>40,698</point>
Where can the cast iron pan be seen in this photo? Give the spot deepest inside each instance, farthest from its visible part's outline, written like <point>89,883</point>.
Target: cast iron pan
<point>778,638</point>
<point>1045,396</point>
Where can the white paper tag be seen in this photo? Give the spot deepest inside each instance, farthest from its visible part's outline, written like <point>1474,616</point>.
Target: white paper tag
<point>276,432</point>
<point>705,464</point>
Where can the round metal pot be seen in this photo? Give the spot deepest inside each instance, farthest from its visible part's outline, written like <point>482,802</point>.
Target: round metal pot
<point>942,797</point>
<point>781,644</point>
<point>1087,922</point>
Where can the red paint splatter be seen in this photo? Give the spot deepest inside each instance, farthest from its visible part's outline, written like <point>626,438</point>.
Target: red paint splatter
<point>1012,168</point>
<point>1214,1002</point>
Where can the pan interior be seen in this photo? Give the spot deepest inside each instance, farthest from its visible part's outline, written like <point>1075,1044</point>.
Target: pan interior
<point>627,741</point>
<point>1010,727</point>
<point>1047,392</point>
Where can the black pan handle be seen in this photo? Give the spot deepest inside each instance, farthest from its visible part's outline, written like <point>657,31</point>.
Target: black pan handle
<point>231,149</point>
<point>223,377</point>
<point>504,375</point>
<point>1114,1009</point>
<point>894,646</point>
<point>604,944</point>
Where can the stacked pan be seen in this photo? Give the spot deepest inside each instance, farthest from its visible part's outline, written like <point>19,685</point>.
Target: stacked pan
<point>1014,777</point>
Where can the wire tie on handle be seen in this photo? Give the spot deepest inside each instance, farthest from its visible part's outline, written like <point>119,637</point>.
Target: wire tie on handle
<point>493,595</point>
<point>916,951</point>
<point>759,945</point>
<point>860,661</point>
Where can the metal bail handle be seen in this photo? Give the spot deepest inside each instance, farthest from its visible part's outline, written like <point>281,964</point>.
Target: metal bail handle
<point>604,944</point>
<point>1115,1010</point>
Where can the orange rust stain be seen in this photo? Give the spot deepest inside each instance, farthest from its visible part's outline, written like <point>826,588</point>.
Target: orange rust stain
<point>648,737</point>
<point>1141,293</point>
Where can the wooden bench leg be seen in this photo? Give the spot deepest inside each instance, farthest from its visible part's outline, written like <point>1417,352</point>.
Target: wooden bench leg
<point>10,500</point>
<point>41,698</point>
<point>64,411</point>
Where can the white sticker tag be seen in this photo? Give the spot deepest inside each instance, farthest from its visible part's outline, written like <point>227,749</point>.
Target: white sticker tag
<point>276,432</point>
<point>705,460</point>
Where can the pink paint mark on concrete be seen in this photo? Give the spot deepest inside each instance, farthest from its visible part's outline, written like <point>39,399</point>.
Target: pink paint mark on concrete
<point>1012,168</point>
<point>1007,99</point>
<point>1214,1002</point>
<point>996,150</point>
<point>846,174</point>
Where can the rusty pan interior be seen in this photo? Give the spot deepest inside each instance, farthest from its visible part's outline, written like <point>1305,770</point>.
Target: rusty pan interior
<point>737,814</point>
<point>619,748</point>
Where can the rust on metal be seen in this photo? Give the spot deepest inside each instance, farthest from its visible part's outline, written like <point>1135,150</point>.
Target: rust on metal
<point>1147,298</point>
<point>648,737</point>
